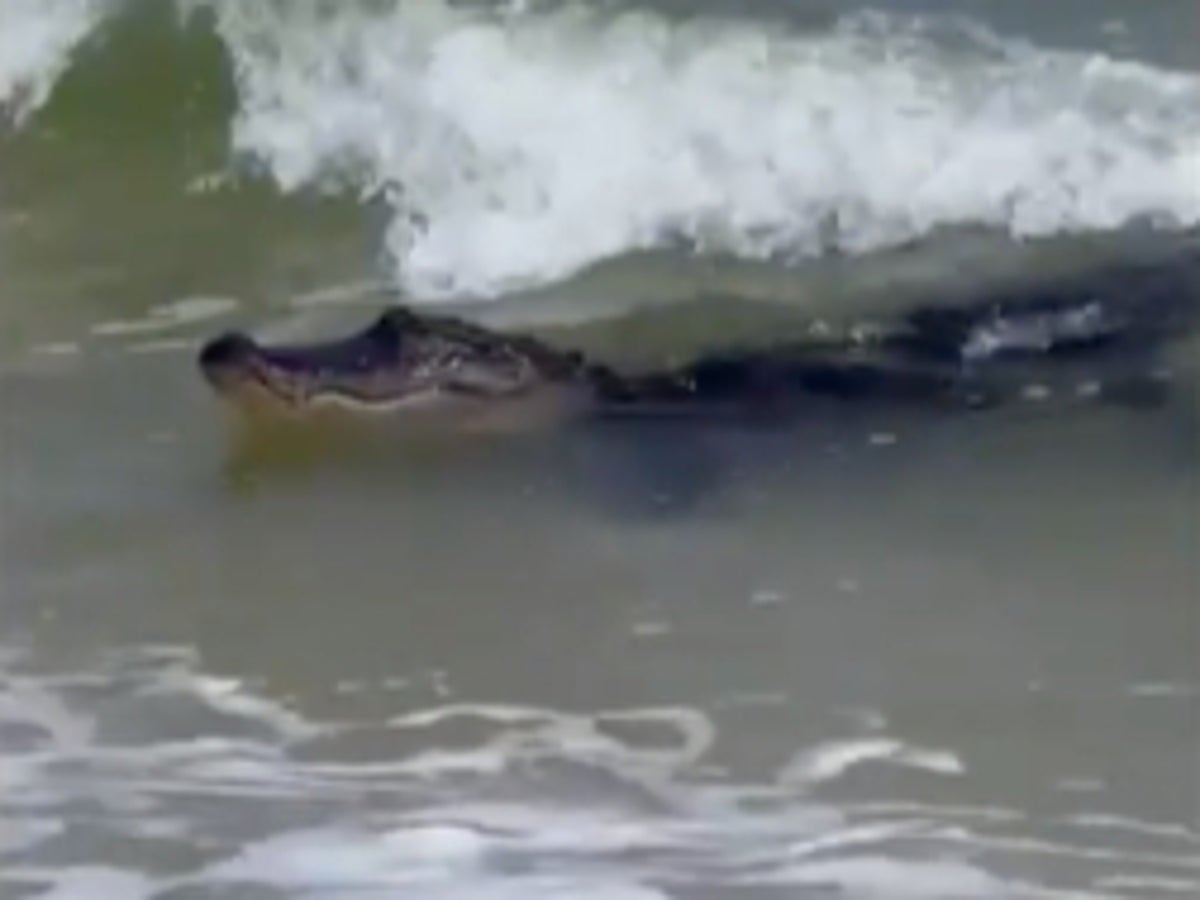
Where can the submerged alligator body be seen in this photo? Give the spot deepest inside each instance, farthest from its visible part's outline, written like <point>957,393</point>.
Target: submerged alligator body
<point>411,363</point>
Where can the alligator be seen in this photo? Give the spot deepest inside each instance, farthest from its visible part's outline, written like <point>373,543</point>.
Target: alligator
<point>418,364</point>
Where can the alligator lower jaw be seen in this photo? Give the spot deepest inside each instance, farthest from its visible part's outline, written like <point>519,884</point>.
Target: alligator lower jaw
<point>422,401</point>
<point>428,412</point>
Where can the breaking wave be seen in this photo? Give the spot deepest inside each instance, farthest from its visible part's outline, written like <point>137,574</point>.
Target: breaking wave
<point>37,38</point>
<point>515,144</point>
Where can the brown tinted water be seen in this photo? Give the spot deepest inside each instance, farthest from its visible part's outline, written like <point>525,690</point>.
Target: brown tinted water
<point>875,655</point>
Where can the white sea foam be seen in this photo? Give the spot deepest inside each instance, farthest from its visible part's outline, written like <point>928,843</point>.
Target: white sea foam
<point>516,148</point>
<point>553,804</point>
<point>517,144</point>
<point>37,38</point>
<point>832,760</point>
<point>167,316</point>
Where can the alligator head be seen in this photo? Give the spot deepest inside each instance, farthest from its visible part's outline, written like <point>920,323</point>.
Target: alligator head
<point>404,361</point>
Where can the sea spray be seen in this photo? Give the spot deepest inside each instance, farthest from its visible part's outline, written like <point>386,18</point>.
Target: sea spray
<point>510,146</point>
<point>517,149</point>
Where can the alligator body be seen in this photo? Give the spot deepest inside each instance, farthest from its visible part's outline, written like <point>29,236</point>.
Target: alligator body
<point>415,365</point>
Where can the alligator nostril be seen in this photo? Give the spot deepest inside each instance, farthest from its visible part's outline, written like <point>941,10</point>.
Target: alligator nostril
<point>228,349</point>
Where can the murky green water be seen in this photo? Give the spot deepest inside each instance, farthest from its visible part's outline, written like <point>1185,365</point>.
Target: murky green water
<point>877,654</point>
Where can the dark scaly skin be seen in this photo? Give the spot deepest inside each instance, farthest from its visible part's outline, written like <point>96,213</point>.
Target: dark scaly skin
<point>410,362</point>
<point>441,361</point>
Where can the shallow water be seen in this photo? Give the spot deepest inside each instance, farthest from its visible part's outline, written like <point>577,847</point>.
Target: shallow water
<point>874,656</point>
<point>876,653</point>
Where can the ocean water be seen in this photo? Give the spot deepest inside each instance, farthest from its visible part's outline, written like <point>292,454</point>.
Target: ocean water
<point>880,654</point>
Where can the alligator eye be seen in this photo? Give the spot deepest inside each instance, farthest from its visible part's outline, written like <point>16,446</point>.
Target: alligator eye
<point>227,349</point>
<point>391,326</point>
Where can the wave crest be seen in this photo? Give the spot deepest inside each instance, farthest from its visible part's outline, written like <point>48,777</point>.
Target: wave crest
<point>517,149</point>
<point>37,39</point>
<point>512,145</point>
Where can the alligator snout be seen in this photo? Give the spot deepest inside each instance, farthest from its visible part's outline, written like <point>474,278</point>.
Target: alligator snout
<point>225,351</point>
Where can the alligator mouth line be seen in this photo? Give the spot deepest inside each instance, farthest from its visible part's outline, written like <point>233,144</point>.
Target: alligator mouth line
<point>402,362</point>
<point>340,397</point>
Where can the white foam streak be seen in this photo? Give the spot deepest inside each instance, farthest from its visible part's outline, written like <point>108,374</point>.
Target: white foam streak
<point>540,802</point>
<point>517,149</point>
<point>832,760</point>
<point>551,731</point>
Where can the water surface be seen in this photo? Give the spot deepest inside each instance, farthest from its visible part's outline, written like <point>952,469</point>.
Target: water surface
<point>879,653</point>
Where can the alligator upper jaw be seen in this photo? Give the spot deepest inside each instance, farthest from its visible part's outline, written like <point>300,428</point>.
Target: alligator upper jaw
<point>420,368</point>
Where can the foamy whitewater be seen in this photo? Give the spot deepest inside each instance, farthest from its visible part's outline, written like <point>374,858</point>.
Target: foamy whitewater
<point>517,145</point>
<point>37,38</point>
<point>236,794</point>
